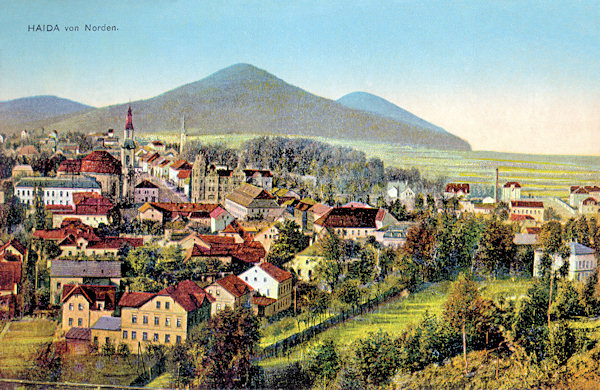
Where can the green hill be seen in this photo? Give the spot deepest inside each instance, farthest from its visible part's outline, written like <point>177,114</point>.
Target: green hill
<point>244,99</point>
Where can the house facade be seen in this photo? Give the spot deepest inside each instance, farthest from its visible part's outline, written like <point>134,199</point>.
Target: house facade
<point>83,305</point>
<point>270,281</point>
<point>581,262</point>
<point>531,208</point>
<point>89,272</point>
<point>511,191</point>
<point>54,191</point>
<point>165,317</point>
<point>230,291</point>
<point>250,202</point>
<point>146,191</point>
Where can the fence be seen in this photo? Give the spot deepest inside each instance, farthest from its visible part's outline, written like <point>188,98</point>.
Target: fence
<point>279,348</point>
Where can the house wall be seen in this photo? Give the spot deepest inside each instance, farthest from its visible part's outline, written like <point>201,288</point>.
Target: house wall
<point>99,337</point>
<point>90,220</point>
<point>536,212</point>
<point>172,322</point>
<point>143,195</point>
<point>76,312</point>
<point>51,195</point>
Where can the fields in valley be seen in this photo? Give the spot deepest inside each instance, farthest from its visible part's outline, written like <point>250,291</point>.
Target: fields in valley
<point>540,175</point>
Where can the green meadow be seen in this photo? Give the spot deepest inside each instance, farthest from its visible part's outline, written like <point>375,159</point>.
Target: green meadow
<point>395,316</point>
<point>20,340</point>
<point>539,175</point>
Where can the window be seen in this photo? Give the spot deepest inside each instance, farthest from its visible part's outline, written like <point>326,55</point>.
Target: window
<point>156,321</point>
<point>265,280</point>
<point>158,304</point>
<point>167,305</point>
<point>80,306</point>
<point>134,319</point>
<point>80,322</point>
<point>71,306</point>
<point>179,322</point>
<point>133,334</point>
<point>218,306</point>
<point>107,340</point>
<point>167,321</point>
<point>155,338</point>
<point>167,338</point>
<point>178,339</point>
<point>70,322</point>
<point>145,319</point>
<point>124,335</point>
<point>145,336</point>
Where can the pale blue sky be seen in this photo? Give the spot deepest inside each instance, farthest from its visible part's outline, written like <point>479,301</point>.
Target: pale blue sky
<point>507,75</point>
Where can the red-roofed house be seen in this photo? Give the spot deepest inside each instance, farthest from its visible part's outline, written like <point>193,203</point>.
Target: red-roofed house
<point>209,214</point>
<point>231,292</point>
<point>83,305</point>
<point>241,256</point>
<point>532,208</point>
<point>164,317</point>
<point>177,166</point>
<point>100,165</point>
<point>354,223</point>
<point>89,207</point>
<point>13,250</point>
<point>145,191</point>
<point>589,206</point>
<point>456,190</point>
<point>511,191</point>
<point>578,194</point>
<point>270,281</point>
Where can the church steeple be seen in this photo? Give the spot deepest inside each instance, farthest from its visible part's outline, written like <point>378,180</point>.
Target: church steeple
<point>182,135</point>
<point>129,125</point>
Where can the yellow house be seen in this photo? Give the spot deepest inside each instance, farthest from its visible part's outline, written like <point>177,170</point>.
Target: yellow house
<point>83,305</point>
<point>231,292</point>
<point>164,317</point>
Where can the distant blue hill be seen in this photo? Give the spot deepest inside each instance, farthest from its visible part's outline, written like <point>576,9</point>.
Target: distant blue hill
<point>376,105</point>
<point>36,108</point>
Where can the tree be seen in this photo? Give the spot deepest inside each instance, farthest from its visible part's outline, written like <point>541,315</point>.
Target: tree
<point>364,269</point>
<point>496,249</point>
<point>329,269</point>
<point>180,365</point>
<point>376,358</point>
<point>348,293</point>
<point>290,241</point>
<point>387,259</point>
<point>463,308</point>
<point>229,343</point>
<point>420,246</point>
<point>324,362</point>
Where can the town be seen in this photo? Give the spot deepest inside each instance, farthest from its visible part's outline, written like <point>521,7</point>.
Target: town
<point>135,248</point>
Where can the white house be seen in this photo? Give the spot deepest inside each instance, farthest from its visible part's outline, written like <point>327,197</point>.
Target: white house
<point>272,282</point>
<point>54,191</point>
<point>582,262</point>
<point>401,191</point>
<point>511,191</point>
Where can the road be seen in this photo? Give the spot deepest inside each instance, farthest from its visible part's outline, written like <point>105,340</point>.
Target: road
<point>166,191</point>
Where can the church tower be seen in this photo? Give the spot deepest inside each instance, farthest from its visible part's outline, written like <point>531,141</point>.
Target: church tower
<point>182,136</point>
<point>127,159</point>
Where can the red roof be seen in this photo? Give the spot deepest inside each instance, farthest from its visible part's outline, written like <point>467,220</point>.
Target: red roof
<point>99,161</point>
<point>512,184</point>
<point>276,273</point>
<point>15,244</point>
<point>345,217</point>
<point>590,201</point>
<point>93,294</point>
<point>258,172</point>
<point>181,164</point>
<point>76,333</point>
<point>69,226</point>
<point>519,217</point>
<point>10,274</point>
<point>135,299</point>
<point>236,286</point>
<point>527,204</point>
<point>188,294</point>
<point>116,243</point>
<point>184,173</point>
<point>146,184</point>
<point>457,187</point>
<point>263,301</point>
<point>533,230</point>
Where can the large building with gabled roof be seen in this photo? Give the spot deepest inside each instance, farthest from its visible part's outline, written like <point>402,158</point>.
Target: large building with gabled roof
<point>250,202</point>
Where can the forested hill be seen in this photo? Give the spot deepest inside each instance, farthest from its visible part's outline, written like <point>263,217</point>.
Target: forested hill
<point>18,112</point>
<point>245,99</point>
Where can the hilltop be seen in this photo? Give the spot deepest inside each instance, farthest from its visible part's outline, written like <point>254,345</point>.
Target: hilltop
<point>37,108</point>
<point>244,99</point>
<point>377,105</point>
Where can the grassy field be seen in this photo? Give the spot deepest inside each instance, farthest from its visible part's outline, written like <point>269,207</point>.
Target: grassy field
<point>395,316</point>
<point>540,175</point>
<point>20,341</point>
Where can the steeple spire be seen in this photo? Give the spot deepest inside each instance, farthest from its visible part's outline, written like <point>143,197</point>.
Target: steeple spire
<point>129,124</point>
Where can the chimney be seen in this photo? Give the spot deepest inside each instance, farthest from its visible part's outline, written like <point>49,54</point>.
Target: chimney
<point>496,195</point>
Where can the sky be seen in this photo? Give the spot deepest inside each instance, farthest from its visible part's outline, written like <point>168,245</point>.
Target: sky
<point>513,76</point>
